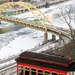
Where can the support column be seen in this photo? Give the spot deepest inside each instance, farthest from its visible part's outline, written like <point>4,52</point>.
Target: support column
<point>23,11</point>
<point>16,12</point>
<point>53,37</point>
<point>21,0</point>
<point>45,37</point>
<point>12,0</point>
<point>0,21</point>
<point>60,38</point>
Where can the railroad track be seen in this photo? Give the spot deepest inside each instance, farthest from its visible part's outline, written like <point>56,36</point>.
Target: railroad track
<point>11,68</point>
<point>8,70</point>
<point>9,59</point>
<point>40,48</point>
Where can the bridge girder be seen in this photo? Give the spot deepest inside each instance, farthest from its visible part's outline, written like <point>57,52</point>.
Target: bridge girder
<point>35,11</point>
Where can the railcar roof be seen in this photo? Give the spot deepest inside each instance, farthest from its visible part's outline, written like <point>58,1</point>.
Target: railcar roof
<point>50,57</point>
<point>53,59</point>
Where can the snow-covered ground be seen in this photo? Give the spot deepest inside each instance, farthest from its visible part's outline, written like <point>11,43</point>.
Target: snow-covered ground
<point>14,42</point>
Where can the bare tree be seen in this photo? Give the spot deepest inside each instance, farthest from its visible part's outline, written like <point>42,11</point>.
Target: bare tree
<point>67,15</point>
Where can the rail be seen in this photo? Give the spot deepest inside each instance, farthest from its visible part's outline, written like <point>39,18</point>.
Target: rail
<point>8,68</point>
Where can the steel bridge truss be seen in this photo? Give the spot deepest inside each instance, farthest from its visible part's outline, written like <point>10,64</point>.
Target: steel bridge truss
<point>35,11</point>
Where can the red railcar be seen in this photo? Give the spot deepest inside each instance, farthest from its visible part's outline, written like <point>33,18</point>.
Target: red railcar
<point>29,63</point>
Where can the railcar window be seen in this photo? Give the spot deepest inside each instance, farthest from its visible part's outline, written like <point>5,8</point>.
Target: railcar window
<point>40,72</point>
<point>27,71</point>
<point>54,73</point>
<point>33,71</point>
<point>47,73</point>
<point>20,70</point>
<point>61,74</point>
<point>20,67</point>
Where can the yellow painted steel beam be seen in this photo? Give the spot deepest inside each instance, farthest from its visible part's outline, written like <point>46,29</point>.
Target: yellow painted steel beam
<point>35,11</point>
<point>35,26</point>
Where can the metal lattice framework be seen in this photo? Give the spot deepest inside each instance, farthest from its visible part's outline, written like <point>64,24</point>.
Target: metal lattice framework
<point>35,11</point>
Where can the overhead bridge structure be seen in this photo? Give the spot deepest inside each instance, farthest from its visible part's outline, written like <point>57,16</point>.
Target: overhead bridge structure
<point>25,23</point>
<point>38,14</point>
<point>35,11</point>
